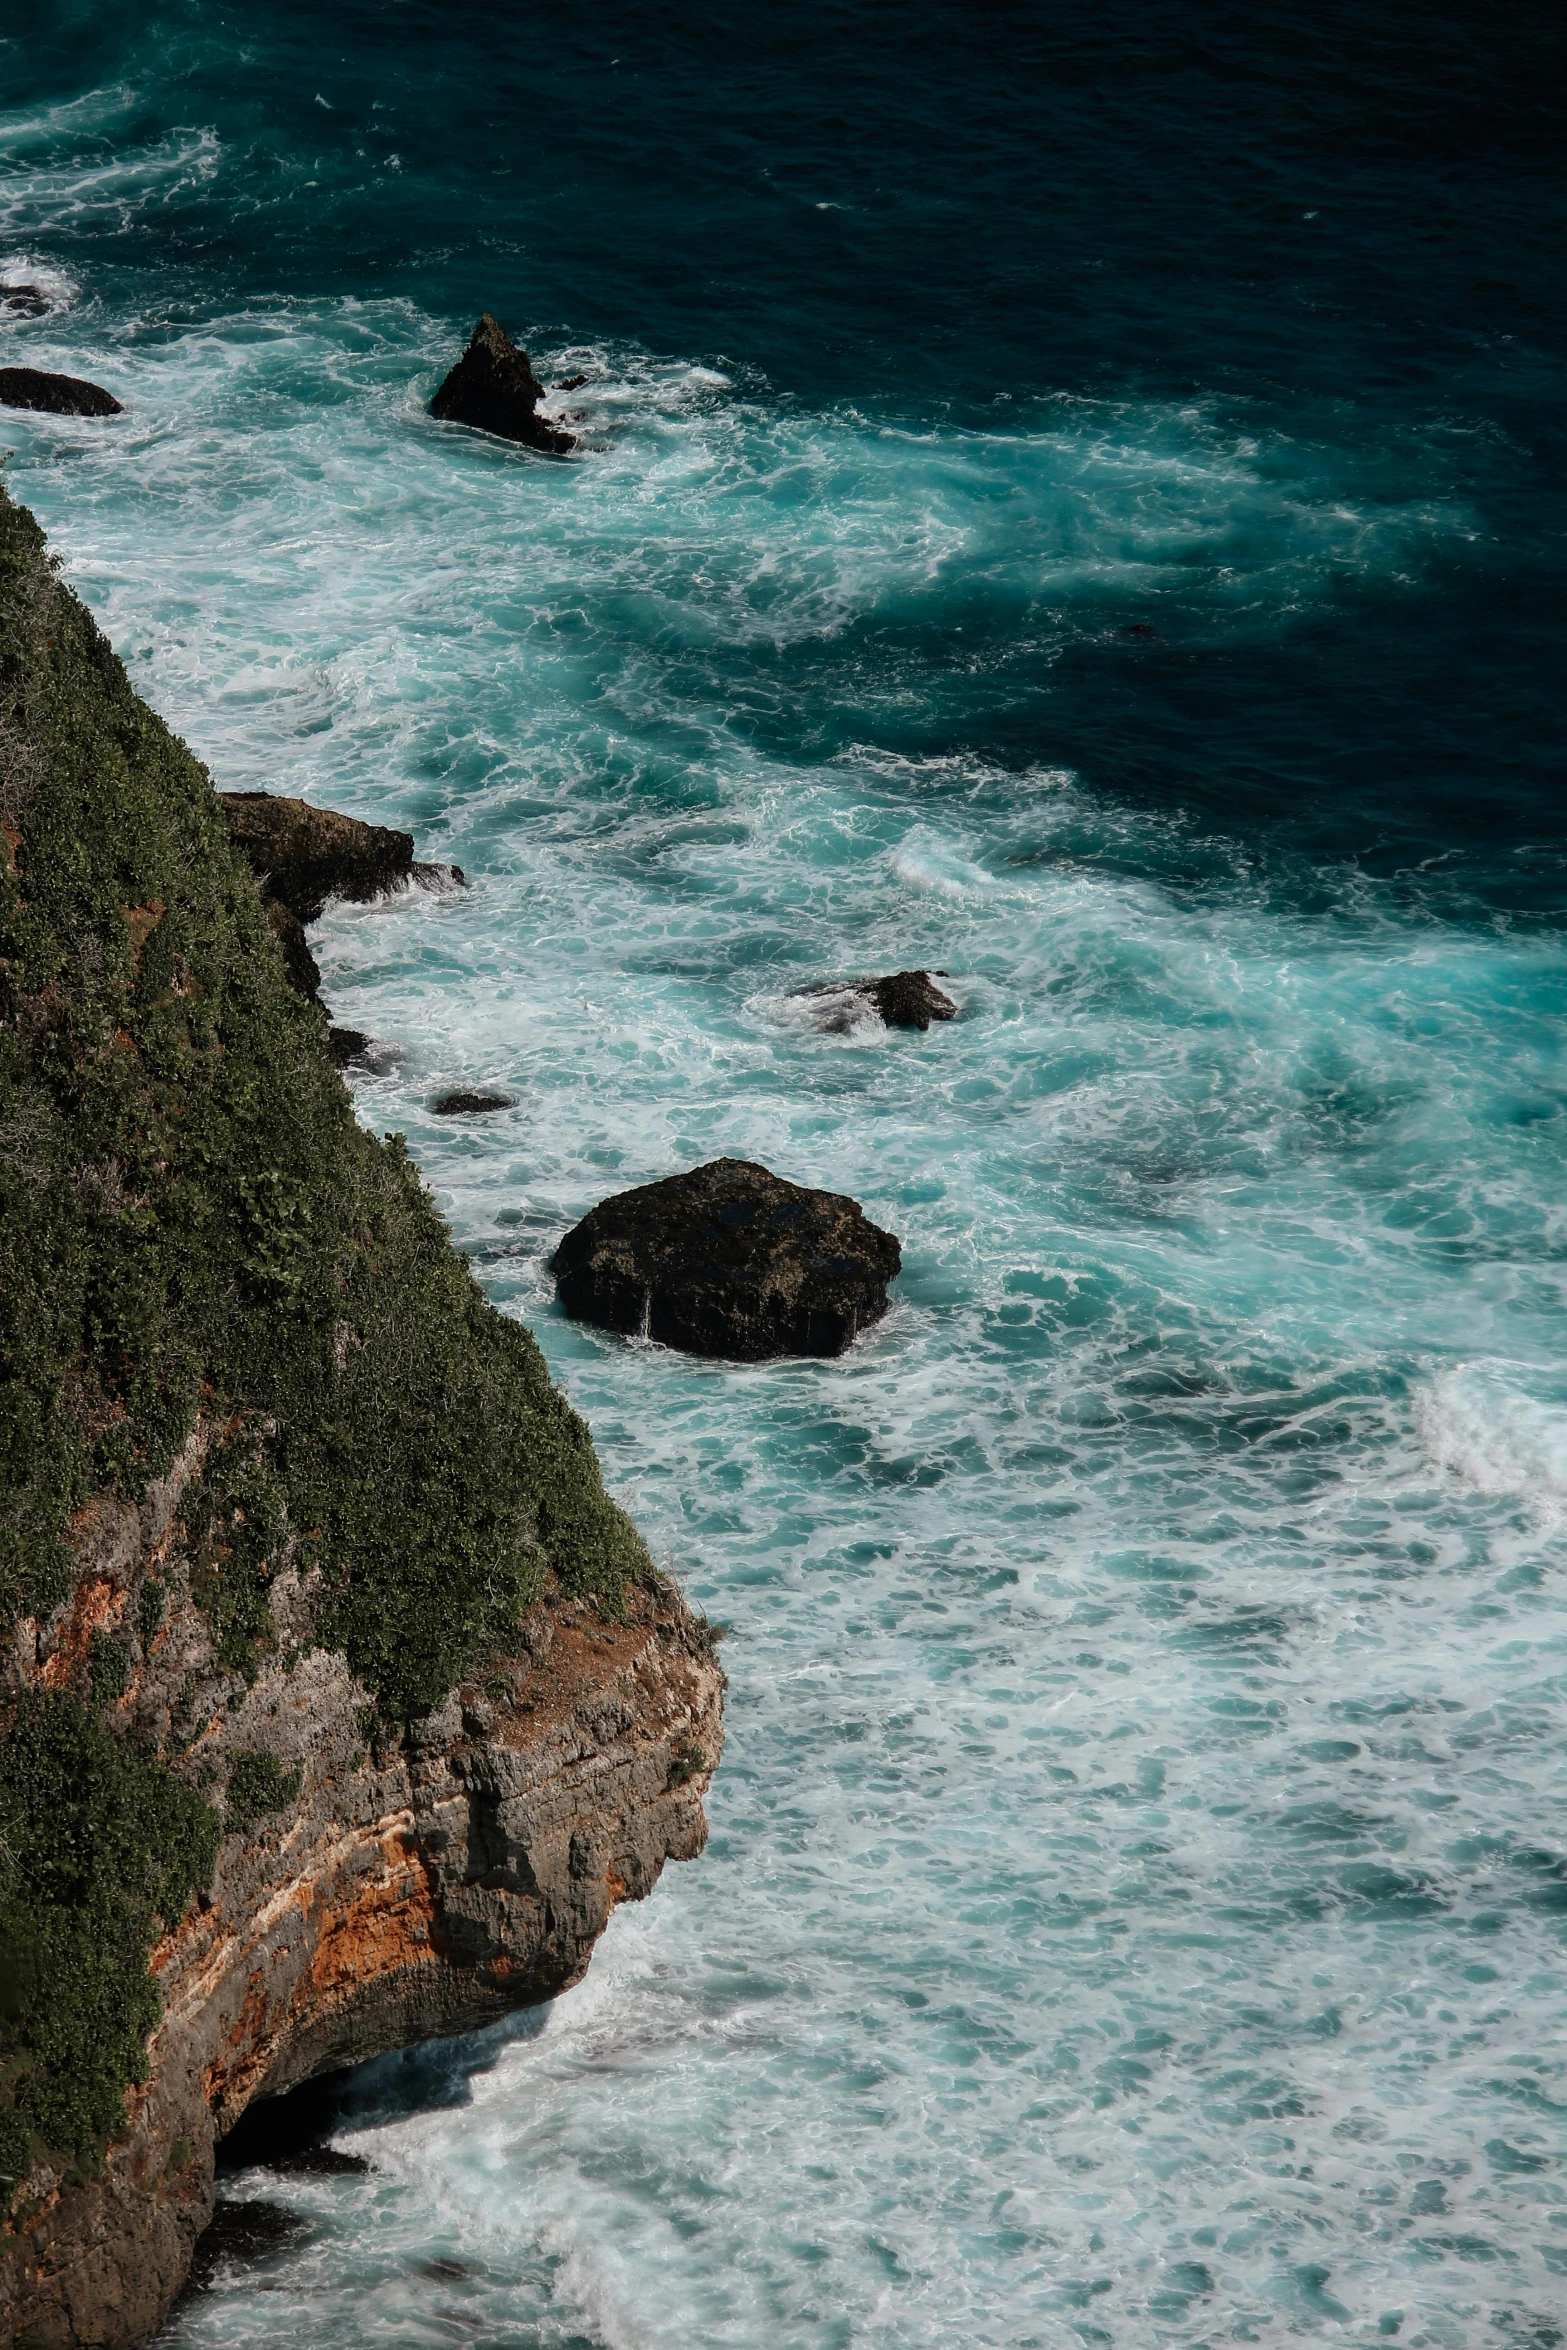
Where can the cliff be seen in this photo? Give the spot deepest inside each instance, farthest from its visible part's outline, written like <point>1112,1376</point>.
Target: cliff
<point>338,1703</point>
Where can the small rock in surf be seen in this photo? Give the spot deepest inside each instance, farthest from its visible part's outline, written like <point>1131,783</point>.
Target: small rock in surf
<point>493,388</point>
<point>24,302</point>
<point>469,1105</point>
<point>729,1260</point>
<point>902,999</point>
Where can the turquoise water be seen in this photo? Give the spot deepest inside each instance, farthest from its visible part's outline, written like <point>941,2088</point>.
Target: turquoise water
<point>1134,1910</point>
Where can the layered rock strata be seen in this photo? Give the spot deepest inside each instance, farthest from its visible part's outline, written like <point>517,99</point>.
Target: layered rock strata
<point>732,1260</point>
<point>404,1884</point>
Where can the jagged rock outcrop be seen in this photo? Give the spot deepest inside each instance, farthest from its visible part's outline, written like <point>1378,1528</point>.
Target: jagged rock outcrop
<point>304,856</point>
<point>729,1260</point>
<point>493,387</point>
<point>401,1885</point>
<point>902,999</point>
<point>54,395</point>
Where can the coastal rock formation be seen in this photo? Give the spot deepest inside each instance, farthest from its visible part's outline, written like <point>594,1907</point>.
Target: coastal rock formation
<point>729,1260</point>
<point>339,1702</point>
<point>24,302</point>
<point>494,388</point>
<point>54,395</point>
<point>368,1891</point>
<point>903,999</point>
<point>304,856</point>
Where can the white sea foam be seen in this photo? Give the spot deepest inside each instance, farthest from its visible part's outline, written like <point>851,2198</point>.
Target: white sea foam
<point>1481,1425</point>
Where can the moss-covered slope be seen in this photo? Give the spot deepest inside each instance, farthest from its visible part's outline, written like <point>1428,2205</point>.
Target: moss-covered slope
<point>192,1223</point>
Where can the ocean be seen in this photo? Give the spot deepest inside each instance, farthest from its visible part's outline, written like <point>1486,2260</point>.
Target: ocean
<point>1072,497</point>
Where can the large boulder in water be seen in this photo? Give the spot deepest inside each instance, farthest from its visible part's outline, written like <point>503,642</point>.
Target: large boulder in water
<point>55,395</point>
<point>494,388</point>
<point>729,1260</point>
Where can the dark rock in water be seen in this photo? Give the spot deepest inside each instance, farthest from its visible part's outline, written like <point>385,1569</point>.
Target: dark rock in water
<point>346,1044</point>
<point>302,856</point>
<point>571,383</point>
<point>909,999</point>
<point>444,2272</point>
<point>493,387</point>
<point>904,999</point>
<point>729,1260</point>
<point>463,1105</point>
<point>238,2235</point>
<point>24,302</point>
<point>55,395</point>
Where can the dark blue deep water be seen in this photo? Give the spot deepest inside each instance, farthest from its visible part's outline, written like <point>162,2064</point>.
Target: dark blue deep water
<point>1073,496</point>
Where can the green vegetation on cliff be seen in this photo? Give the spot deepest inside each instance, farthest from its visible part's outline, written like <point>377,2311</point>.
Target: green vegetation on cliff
<point>192,1225</point>
<point>96,1845</point>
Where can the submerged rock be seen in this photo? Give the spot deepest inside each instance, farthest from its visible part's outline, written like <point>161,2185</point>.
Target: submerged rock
<point>729,1260</point>
<point>494,388</point>
<point>242,2235</point>
<point>468,1105</point>
<point>24,302</point>
<point>54,395</point>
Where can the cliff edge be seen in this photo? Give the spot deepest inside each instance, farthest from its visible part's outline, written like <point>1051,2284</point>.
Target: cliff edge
<point>338,1702</point>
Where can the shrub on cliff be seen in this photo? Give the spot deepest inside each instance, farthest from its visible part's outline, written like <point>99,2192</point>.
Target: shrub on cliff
<point>96,1847</point>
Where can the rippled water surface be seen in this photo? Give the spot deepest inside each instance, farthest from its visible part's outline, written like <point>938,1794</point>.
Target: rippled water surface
<point>1072,499</point>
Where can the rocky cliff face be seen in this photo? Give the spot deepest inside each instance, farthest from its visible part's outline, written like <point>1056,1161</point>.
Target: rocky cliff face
<point>339,1702</point>
<point>371,1890</point>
